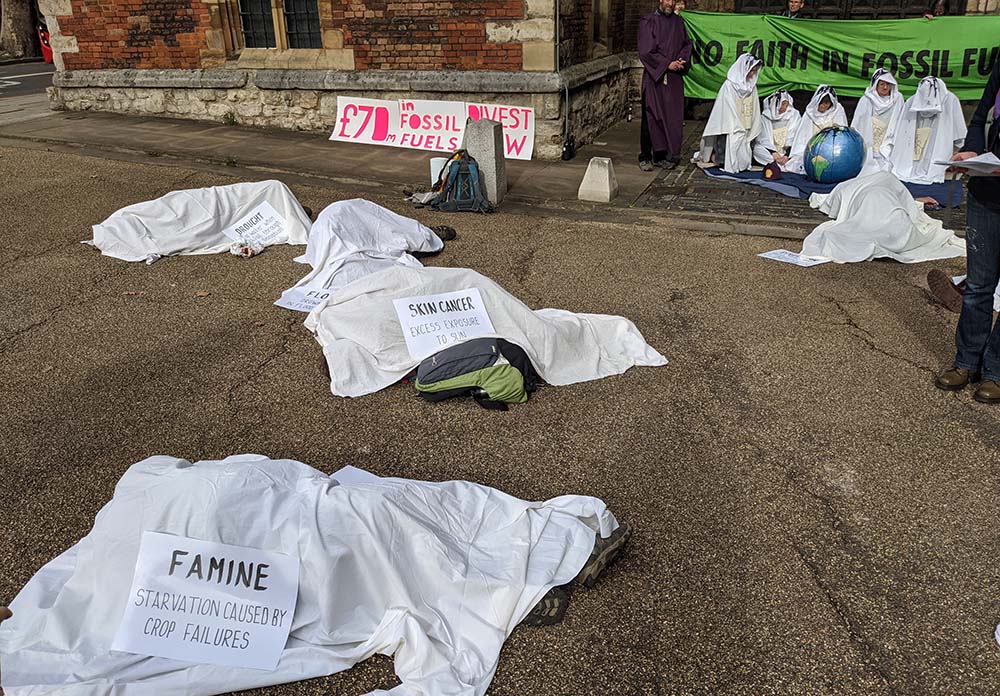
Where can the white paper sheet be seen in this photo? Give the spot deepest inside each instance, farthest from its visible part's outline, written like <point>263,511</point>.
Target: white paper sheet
<point>786,256</point>
<point>982,165</point>
<point>210,603</point>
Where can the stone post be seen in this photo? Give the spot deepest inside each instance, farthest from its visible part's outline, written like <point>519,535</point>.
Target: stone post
<point>599,184</point>
<point>484,141</point>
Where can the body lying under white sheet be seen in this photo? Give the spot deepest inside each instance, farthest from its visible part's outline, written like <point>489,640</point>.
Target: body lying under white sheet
<point>438,574</point>
<point>874,216</point>
<point>193,221</point>
<point>366,350</point>
<point>352,239</point>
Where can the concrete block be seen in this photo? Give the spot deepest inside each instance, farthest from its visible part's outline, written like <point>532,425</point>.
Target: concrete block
<point>599,184</point>
<point>484,141</point>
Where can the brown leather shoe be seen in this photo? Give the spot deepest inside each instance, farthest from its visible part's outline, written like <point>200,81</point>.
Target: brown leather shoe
<point>988,392</point>
<point>955,378</point>
<point>945,291</point>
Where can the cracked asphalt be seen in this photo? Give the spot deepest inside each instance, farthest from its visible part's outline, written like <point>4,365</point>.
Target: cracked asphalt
<point>811,515</point>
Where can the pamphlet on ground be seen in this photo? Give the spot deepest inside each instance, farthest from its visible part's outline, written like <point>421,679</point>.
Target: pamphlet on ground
<point>786,256</point>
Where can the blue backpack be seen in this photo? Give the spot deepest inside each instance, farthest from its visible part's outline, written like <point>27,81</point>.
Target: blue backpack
<point>461,187</point>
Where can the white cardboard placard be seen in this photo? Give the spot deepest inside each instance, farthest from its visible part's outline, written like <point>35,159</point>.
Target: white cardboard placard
<point>304,299</point>
<point>210,603</point>
<point>433,322</point>
<point>261,226</point>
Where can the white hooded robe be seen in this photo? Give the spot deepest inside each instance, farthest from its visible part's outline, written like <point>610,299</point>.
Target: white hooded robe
<point>812,123</point>
<point>776,128</point>
<point>735,117</point>
<point>876,119</point>
<point>930,128</point>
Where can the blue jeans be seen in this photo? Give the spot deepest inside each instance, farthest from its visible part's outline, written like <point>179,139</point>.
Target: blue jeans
<point>977,339</point>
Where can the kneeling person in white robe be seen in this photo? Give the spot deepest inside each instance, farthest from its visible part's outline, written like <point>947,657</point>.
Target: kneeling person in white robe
<point>877,118</point>
<point>779,119</point>
<point>874,216</point>
<point>823,111</point>
<point>931,128</point>
<point>735,119</point>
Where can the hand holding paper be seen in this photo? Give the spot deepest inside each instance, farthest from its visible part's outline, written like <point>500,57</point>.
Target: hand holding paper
<point>977,165</point>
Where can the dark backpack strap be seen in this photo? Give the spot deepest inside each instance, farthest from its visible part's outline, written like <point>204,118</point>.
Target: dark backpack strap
<point>517,357</point>
<point>482,398</point>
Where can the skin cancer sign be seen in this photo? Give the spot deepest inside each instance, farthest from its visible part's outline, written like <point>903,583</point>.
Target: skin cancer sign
<point>437,126</point>
<point>433,322</point>
<point>209,603</point>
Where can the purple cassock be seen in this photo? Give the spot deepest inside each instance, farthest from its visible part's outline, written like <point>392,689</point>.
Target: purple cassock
<point>662,40</point>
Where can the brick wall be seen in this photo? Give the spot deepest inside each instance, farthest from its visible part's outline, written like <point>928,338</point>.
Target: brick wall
<point>416,35</point>
<point>575,31</point>
<point>136,33</point>
<point>383,34</point>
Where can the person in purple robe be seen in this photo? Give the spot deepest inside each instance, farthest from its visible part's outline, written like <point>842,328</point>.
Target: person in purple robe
<point>665,52</point>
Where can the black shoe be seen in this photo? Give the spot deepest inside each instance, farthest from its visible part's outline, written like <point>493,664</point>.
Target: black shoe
<point>309,211</point>
<point>646,165</point>
<point>549,610</point>
<point>445,232</point>
<point>605,551</point>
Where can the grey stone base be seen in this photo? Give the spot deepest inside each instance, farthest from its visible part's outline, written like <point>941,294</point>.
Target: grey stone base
<point>306,100</point>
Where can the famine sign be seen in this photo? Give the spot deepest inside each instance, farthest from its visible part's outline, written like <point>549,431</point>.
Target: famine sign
<point>206,602</point>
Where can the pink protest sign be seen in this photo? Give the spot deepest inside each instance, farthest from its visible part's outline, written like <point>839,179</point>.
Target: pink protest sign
<point>437,126</point>
<point>366,121</point>
<point>431,125</point>
<point>518,127</point>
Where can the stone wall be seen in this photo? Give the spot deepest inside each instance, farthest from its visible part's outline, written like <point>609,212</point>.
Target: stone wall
<point>601,96</point>
<point>306,100</point>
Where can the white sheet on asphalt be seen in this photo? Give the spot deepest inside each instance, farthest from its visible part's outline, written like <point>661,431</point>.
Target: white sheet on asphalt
<point>366,350</point>
<point>195,221</point>
<point>350,240</point>
<point>437,574</point>
<point>874,216</point>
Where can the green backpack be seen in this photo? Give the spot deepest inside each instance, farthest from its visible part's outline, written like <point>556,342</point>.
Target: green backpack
<point>493,371</point>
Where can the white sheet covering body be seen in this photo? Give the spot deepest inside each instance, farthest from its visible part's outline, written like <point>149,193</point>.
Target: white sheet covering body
<point>437,574</point>
<point>366,351</point>
<point>777,127</point>
<point>877,118</point>
<point>191,221</point>
<point>735,117</point>
<point>811,123</point>
<point>354,238</point>
<point>930,128</point>
<point>874,216</point>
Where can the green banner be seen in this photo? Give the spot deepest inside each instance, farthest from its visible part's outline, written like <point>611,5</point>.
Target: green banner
<point>804,53</point>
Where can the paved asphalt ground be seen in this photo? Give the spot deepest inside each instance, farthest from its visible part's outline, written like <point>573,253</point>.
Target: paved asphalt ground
<point>18,79</point>
<point>812,516</point>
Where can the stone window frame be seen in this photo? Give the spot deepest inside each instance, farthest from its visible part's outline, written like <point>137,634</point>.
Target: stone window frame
<point>600,36</point>
<point>233,29</point>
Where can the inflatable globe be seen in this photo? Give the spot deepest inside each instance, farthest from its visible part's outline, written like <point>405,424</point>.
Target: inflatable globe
<point>835,154</point>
